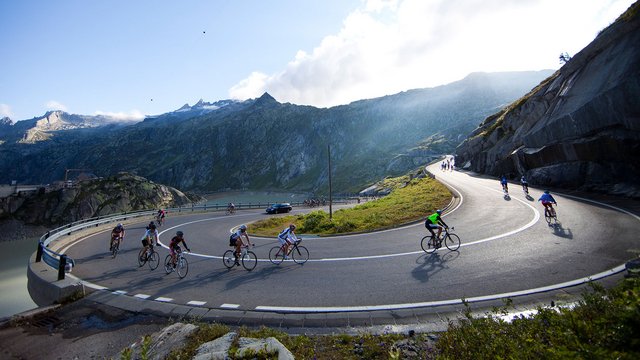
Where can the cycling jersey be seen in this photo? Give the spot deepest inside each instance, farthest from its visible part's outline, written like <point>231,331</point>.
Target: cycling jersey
<point>523,180</point>
<point>547,198</point>
<point>287,235</point>
<point>503,180</point>
<point>434,218</point>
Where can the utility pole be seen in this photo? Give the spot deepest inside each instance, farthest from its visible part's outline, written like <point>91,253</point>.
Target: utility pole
<point>330,199</point>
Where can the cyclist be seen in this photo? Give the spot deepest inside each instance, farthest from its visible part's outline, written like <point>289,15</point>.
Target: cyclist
<point>434,221</point>
<point>235,240</point>
<point>174,246</point>
<point>117,234</point>
<point>525,184</point>
<point>505,184</point>
<point>160,216</point>
<point>231,208</point>
<point>149,236</point>
<point>547,200</point>
<point>287,237</point>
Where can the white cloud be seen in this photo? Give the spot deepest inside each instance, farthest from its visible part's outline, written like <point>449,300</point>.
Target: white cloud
<point>390,46</point>
<point>5,111</point>
<point>54,105</point>
<point>134,115</point>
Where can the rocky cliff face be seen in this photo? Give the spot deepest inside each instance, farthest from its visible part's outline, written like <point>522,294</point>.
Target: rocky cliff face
<point>580,128</point>
<point>121,193</point>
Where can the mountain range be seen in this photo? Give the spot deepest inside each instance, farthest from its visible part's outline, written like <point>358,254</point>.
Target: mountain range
<point>262,143</point>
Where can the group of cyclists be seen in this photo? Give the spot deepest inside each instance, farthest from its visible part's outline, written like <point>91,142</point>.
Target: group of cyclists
<point>150,237</point>
<point>238,239</point>
<point>546,199</point>
<point>287,237</point>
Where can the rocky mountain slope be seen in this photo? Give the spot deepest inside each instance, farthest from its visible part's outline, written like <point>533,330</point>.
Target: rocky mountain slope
<point>116,194</point>
<point>264,144</point>
<point>44,127</point>
<point>580,128</point>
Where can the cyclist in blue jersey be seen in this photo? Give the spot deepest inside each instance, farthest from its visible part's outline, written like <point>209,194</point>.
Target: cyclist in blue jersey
<point>547,200</point>
<point>505,184</point>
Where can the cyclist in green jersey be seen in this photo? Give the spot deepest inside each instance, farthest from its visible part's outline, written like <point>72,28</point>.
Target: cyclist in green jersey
<point>434,221</point>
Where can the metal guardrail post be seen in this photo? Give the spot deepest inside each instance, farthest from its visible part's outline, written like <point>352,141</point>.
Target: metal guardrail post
<point>62,266</point>
<point>39,252</point>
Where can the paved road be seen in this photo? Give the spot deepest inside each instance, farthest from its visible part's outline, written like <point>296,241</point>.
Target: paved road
<point>506,247</point>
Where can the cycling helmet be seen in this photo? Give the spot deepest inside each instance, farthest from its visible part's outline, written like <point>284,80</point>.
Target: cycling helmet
<point>292,227</point>
<point>439,211</point>
<point>119,225</point>
<point>179,233</point>
<point>243,227</point>
<point>546,191</point>
<point>152,226</point>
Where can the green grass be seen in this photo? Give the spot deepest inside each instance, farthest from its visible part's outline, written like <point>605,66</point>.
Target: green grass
<point>419,198</point>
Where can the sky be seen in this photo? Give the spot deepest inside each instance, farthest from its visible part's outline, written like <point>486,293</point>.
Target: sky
<point>128,59</point>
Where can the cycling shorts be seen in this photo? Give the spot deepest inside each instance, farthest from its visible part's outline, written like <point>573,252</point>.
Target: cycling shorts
<point>174,248</point>
<point>546,203</point>
<point>434,226</point>
<point>284,241</point>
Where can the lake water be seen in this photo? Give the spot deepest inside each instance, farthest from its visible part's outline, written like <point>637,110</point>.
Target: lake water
<point>14,258</point>
<point>252,197</point>
<point>14,255</point>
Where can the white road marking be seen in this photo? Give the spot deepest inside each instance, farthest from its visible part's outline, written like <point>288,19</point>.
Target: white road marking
<point>119,292</point>
<point>324,309</point>
<point>196,303</point>
<point>142,296</point>
<point>229,306</point>
<point>163,299</point>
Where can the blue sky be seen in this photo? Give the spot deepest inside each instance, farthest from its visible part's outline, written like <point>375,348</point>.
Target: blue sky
<point>131,58</point>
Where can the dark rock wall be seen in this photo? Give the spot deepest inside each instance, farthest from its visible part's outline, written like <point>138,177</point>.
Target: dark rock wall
<point>580,128</point>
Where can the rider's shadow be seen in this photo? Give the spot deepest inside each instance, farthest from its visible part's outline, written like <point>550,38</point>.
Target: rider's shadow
<point>529,197</point>
<point>507,197</point>
<point>431,264</point>
<point>558,230</point>
<point>259,274</point>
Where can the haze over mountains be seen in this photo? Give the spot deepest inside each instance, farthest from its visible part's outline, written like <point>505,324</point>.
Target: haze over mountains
<point>261,143</point>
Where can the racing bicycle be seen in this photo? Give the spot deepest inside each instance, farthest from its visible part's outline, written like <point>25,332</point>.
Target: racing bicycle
<point>430,244</point>
<point>550,214</point>
<point>115,246</point>
<point>181,266</point>
<point>150,255</point>
<point>298,253</point>
<point>247,257</point>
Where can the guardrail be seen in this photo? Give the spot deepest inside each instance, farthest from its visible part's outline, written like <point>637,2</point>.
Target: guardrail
<point>64,264</point>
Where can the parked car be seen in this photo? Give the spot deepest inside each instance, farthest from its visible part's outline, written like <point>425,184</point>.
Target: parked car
<point>279,208</point>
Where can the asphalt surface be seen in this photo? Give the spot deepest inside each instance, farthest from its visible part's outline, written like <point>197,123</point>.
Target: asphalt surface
<point>507,247</point>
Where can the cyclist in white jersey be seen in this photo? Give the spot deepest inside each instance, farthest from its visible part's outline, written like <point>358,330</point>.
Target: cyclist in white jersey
<point>287,237</point>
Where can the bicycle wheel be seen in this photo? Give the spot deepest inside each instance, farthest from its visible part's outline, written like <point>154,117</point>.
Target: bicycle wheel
<point>229,259</point>
<point>154,260</point>
<point>276,255</point>
<point>168,267</point>
<point>427,244</point>
<point>114,250</point>
<point>142,257</point>
<point>300,254</point>
<point>182,268</point>
<point>452,242</point>
<point>249,260</point>
<point>547,216</point>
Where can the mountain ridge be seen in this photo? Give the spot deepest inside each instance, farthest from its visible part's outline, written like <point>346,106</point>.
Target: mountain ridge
<point>262,143</point>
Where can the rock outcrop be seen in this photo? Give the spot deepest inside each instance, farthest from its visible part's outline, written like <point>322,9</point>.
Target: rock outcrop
<point>116,194</point>
<point>580,128</point>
